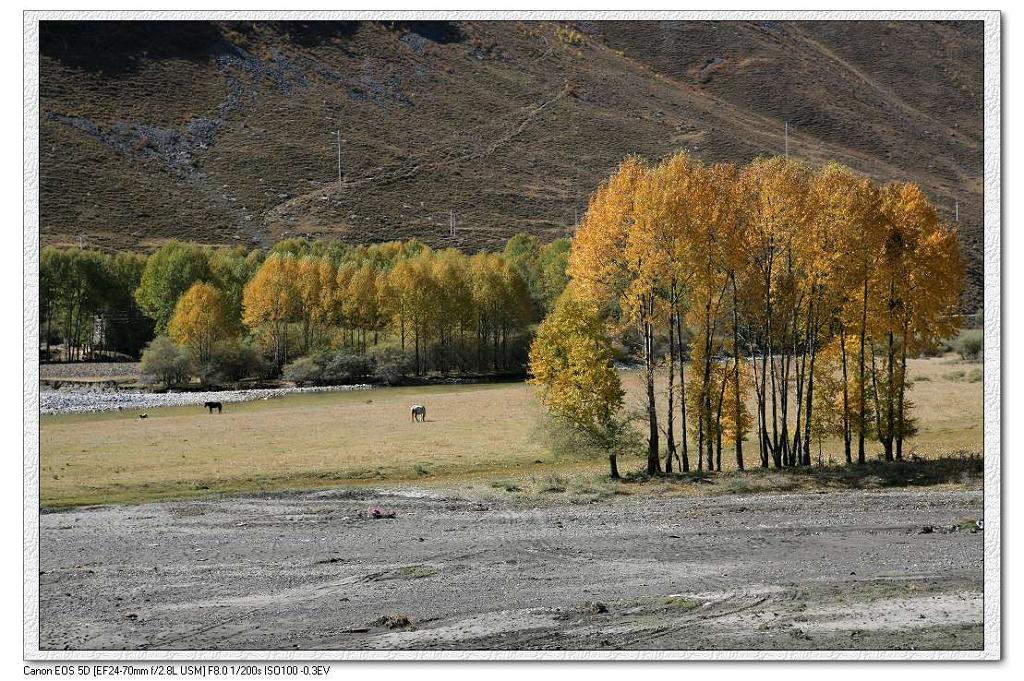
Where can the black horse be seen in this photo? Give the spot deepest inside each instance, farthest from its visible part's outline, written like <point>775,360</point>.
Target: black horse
<point>214,405</point>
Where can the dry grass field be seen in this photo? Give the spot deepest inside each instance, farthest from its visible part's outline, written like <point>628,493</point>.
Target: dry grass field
<point>475,435</point>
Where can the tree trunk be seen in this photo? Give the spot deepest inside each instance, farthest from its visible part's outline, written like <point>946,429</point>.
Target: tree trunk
<point>718,423</point>
<point>776,449</point>
<point>846,398</point>
<point>670,438</point>
<point>809,412</point>
<point>700,437</point>
<point>861,417</point>
<point>886,440</point>
<point>416,329</point>
<point>890,413</point>
<point>653,454</point>
<point>684,434</point>
<point>738,397</point>
<point>762,444</point>
<point>900,428</point>
<point>613,464</point>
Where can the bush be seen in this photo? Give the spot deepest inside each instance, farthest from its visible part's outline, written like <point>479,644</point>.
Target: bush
<point>570,36</point>
<point>164,362</point>
<point>233,361</point>
<point>304,371</point>
<point>971,345</point>
<point>336,367</point>
<point>344,366</point>
<point>392,365</point>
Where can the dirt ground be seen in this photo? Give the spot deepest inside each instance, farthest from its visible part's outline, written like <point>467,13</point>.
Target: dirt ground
<point>849,570</point>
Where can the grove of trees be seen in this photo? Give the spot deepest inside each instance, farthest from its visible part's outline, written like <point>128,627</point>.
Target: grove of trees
<point>803,289</point>
<point>770,306</point>
<point>86,303</point>
<point>425,310</point>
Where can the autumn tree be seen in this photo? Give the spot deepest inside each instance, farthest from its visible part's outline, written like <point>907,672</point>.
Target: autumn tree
<point>571,364</point>
<point>271,301</point>
<point>848,221</point>
<point>315,287</point>
<point>774,195</point>
<point>201,318</point>
<point>917,281</point>
<point>608,268</point>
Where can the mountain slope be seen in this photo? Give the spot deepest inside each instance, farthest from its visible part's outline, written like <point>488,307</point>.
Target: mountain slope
<point>221,132</point>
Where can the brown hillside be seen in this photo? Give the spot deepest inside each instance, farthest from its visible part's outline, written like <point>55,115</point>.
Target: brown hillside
<point>221,132</point>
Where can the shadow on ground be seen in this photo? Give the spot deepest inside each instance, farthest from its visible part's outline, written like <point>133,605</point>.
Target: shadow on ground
<point>957,469</point>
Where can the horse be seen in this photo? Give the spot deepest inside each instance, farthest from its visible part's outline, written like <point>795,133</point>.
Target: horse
<point>213,405</point>
<point>419,412</point>
<point>142,416</point>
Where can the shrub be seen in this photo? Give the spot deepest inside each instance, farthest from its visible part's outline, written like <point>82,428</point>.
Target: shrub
<point>344,366</point>
<point>334,367</point>
<point>392,365</point>
<point>164,362</point>
<point>971,345</point>
<point>570,36</point>
<point>233,361</point>
<point>304,371</point>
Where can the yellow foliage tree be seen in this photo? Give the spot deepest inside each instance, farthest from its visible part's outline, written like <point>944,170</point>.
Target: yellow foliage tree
<point>571,363</point>
<point>271,300</point>
<point>201,318</point>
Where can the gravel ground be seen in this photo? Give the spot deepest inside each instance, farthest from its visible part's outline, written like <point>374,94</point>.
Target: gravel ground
<point>59,370</point>
<point>850,570</point>
<point>77,400</point>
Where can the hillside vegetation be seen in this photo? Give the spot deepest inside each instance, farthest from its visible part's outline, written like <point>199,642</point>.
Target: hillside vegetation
<point>221,132</point>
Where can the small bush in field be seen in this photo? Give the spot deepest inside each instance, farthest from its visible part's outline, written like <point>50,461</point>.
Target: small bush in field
<point>391,365</point>
<point>334,367</point>
<point>303,371</point>
<point>971,345</point>
<point>233,361</point>
<point>164,362</point>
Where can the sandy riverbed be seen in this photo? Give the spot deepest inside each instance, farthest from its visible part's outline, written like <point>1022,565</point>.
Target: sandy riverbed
<point>850,570</point>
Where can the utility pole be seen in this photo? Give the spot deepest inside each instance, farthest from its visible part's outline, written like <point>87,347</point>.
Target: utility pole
<point>338,133</point>
<point>956,210</point>
<point>787,139</point>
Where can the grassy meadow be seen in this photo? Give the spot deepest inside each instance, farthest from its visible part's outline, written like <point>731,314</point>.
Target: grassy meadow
<point>475,435</point>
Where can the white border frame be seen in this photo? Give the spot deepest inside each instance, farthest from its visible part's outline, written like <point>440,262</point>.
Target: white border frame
<point>992,367</point>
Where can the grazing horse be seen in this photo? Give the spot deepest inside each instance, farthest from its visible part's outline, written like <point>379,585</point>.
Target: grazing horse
<point>419,412</point>
<point>142,416</point>
<point>213,405</point>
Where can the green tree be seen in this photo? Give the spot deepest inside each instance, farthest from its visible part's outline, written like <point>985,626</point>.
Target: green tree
<point>169,273</point>
<point>231,269</point>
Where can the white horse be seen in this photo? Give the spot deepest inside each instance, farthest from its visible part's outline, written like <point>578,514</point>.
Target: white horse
<point>419,412</point>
